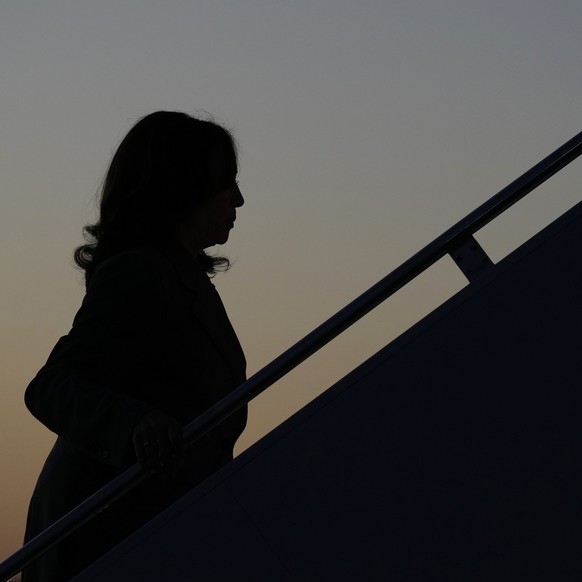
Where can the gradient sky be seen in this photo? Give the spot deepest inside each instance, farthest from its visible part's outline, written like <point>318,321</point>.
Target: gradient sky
<point>365,128</point>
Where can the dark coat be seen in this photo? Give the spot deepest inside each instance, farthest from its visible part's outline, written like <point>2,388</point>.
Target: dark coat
<point>151,334</point>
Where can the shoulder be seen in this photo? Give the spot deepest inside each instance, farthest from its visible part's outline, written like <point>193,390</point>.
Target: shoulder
<point>137,271</point>
<point>123,287</point>
<point>138,262</point>
<point>146,276</point>
<point>168,263</point>
<point>146,279</point>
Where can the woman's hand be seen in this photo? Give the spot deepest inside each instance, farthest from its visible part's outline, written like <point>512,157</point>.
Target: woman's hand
<point>157,440</point>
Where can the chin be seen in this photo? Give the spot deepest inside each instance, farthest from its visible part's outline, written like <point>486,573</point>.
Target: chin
<point>222,239</point>
<point>219,241</point>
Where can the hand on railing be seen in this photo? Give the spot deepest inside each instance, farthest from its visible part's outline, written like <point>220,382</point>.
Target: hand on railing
<point>157,440</point>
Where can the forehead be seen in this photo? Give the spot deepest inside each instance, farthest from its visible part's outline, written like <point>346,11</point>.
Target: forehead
<point>222,164</point>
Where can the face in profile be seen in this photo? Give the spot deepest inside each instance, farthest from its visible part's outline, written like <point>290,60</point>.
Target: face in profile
<point>212,221</point>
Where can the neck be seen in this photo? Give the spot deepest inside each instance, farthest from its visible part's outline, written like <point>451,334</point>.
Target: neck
<point>193,246</point>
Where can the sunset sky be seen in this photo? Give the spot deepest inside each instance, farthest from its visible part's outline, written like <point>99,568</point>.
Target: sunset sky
<point>365,128</point>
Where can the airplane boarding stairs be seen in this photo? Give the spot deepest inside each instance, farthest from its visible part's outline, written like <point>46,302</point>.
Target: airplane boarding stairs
<point>454,453</point>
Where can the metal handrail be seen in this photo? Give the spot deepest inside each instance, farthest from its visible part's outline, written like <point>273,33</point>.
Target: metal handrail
<point>307,346</point>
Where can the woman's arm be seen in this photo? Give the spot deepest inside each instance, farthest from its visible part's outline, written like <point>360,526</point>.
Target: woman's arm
<point>89,391</point>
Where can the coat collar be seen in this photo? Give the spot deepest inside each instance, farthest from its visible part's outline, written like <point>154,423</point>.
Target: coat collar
<point>187,266</point>
<point>208,308</point>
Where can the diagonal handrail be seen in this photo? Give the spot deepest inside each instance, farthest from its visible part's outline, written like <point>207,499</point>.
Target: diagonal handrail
<point>303,349</point>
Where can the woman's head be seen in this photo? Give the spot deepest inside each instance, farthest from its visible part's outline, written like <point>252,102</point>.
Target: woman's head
<point>167,168</point>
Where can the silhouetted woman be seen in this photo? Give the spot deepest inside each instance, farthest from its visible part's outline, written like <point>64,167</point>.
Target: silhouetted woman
<point>151,346</point>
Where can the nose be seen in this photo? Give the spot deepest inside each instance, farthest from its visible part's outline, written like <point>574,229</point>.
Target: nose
<point>238,198</point>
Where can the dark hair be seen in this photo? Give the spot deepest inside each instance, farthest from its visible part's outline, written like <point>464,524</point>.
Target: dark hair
<point>160,172</point>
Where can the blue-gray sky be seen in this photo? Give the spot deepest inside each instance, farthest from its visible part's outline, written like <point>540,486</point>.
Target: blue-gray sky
<point>366,128</point>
